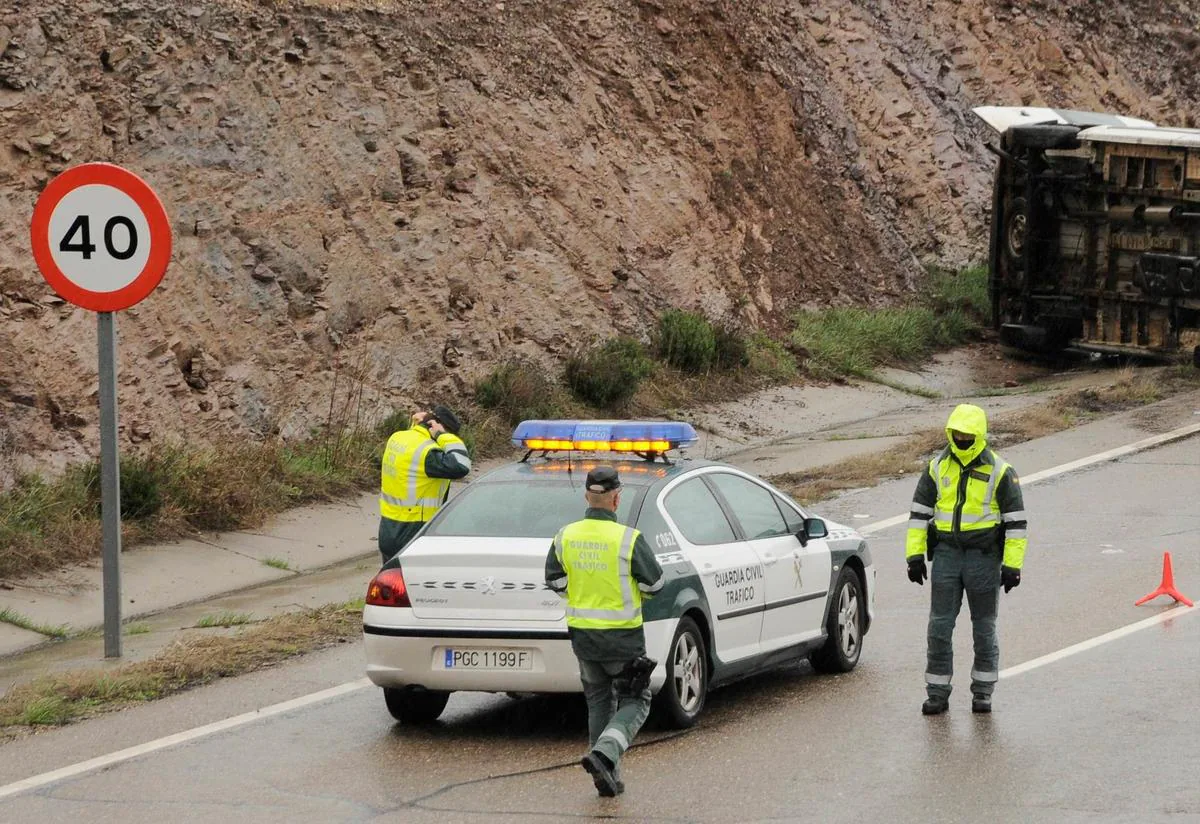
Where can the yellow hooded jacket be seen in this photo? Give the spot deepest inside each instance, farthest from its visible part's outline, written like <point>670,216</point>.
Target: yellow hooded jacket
<point>971,497</point>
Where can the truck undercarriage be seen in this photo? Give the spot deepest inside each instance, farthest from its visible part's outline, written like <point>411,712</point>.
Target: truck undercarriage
<point>1095,239</point>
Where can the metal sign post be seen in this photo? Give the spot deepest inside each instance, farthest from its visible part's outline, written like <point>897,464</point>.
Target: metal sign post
<point>101,237</point>
<point>110,483</point>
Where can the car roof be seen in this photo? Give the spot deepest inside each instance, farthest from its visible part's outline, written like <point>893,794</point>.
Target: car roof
<point>633,472</point>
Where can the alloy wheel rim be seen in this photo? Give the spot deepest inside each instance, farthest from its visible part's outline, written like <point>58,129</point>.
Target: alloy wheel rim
<point>688,676</point>
<point>848,625</point>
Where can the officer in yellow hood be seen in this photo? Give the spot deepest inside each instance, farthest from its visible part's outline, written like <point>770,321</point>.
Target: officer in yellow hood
<point>968,516</point>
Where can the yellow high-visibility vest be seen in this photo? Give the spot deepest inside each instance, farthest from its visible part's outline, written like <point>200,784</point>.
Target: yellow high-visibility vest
<point>598,556</point>
<point>407,494</point>
<point>979,509</point>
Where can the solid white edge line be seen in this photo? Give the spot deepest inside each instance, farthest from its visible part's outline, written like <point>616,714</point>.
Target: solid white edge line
<point>1100,457</point>
<point>100,762</point>
<point>1172,613</point>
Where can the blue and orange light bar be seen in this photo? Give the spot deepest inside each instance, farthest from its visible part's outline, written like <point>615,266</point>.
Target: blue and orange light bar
<point>603,436</point>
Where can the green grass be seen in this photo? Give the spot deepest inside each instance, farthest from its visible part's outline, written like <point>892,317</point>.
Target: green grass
<point>518,389</point>
<point>137,629</point>
<point>769,359</point>
<point>951,308</point>
<point>11,616</point>
<point>63,697</point>
<point>45,711</point>
<point>173,490</point>
<point>278,563</point>
<point>223,619</point>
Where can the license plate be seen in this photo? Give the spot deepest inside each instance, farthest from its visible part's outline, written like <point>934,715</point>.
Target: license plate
<point>490,658</point>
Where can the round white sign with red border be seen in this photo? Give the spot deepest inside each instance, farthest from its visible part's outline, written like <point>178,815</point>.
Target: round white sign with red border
<point>101,237</point>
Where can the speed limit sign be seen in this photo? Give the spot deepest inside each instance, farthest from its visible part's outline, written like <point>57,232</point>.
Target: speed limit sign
<point>102,240</point>
<point>101,237</point>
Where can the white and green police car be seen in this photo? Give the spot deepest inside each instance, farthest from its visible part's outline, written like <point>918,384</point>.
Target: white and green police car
<point>752,580</point>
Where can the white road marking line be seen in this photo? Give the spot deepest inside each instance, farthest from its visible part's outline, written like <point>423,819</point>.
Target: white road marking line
<point>1091,643</point>
<point>100,762</point>
<point>1100,457</point>
<point>129,753</point>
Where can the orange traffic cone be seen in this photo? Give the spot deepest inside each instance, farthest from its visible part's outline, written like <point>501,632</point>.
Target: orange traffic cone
<point>1167,587</point>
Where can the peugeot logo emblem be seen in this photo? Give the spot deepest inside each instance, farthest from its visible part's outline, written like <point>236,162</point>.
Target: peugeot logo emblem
<point>487,586</point>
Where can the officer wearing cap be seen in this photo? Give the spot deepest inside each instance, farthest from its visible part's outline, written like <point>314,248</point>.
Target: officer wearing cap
<point>596,563</point>
<point>418,465</point>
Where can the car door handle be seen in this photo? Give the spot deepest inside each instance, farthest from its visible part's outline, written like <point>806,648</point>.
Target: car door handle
<point>769,559</point>
<point>707,569</point>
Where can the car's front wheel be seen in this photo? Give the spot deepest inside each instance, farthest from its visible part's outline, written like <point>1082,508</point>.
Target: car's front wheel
<point>843,627</point>
<point>682,696</point>
<point>413,705</point>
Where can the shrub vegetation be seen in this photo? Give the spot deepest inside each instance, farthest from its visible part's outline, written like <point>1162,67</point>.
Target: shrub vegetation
<point>608,374</point>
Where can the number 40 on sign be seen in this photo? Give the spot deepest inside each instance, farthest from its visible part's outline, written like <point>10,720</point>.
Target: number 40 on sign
<point>101,237</point>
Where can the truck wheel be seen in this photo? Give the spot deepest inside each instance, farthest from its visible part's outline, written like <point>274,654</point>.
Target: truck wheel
<point>411,705</point>
<point>1016,228</point>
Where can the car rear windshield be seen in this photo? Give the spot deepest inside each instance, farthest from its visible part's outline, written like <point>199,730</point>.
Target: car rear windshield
<point>520,509</point>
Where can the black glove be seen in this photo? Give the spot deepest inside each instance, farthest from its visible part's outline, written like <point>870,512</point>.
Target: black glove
<point>917,573</point>
<point>1010,577</point>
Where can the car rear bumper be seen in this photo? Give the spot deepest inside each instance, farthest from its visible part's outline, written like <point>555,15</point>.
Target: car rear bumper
<point>401,656</point>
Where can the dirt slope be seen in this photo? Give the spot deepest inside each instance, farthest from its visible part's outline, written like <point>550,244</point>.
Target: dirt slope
<point>389,198</point>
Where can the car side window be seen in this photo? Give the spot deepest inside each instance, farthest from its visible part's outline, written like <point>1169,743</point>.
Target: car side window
<point>791,517</point>
<point>699,517</point>
<point>753,506</point>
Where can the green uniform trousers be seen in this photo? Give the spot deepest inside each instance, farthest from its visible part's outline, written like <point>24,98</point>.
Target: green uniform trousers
<point>954,572</point>
<point>395,535</point>
<point>614,714</point>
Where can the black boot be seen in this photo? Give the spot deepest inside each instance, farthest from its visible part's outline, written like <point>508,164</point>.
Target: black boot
<point>935,705</point>
<point>600,768</point>
<point>981,703</point>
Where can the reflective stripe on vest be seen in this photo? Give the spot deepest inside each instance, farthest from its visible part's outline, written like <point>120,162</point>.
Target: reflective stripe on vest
<point>407,494</point>
<point>600,591</point>
<point>979,508</point>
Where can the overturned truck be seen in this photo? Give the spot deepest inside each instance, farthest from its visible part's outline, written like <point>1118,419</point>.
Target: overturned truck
<point>1095,239</point>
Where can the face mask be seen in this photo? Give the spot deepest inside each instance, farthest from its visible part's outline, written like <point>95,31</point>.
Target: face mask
<point>964,443</point>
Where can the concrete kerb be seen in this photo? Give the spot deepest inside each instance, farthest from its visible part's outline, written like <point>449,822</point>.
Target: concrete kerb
<point>165,576</point>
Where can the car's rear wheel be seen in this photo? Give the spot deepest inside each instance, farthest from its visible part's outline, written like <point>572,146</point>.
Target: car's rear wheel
<point>413,705</point>
<point>843,627</point>
<point>681,698</point>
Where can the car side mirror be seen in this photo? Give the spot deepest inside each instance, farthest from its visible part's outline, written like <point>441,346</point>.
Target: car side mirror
<point>812,528</point>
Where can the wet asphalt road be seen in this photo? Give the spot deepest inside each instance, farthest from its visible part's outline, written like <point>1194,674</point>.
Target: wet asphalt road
<point>1108,734</point>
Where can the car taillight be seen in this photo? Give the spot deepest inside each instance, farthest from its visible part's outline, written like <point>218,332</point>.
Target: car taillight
<point>387,589</point>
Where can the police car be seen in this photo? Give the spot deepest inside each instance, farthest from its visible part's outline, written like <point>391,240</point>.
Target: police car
<point>752,581</point>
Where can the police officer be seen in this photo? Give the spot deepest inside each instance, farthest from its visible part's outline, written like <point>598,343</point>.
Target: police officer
<point>418,465</point>
<point>596,563</point>
<point>968,516</point>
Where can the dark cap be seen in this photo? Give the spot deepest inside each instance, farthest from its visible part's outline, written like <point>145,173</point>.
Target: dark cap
<point>603,479</point>
<point>447,419</point>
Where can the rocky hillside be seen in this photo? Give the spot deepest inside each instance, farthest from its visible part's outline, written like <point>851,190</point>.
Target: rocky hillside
<point>385,198</point>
